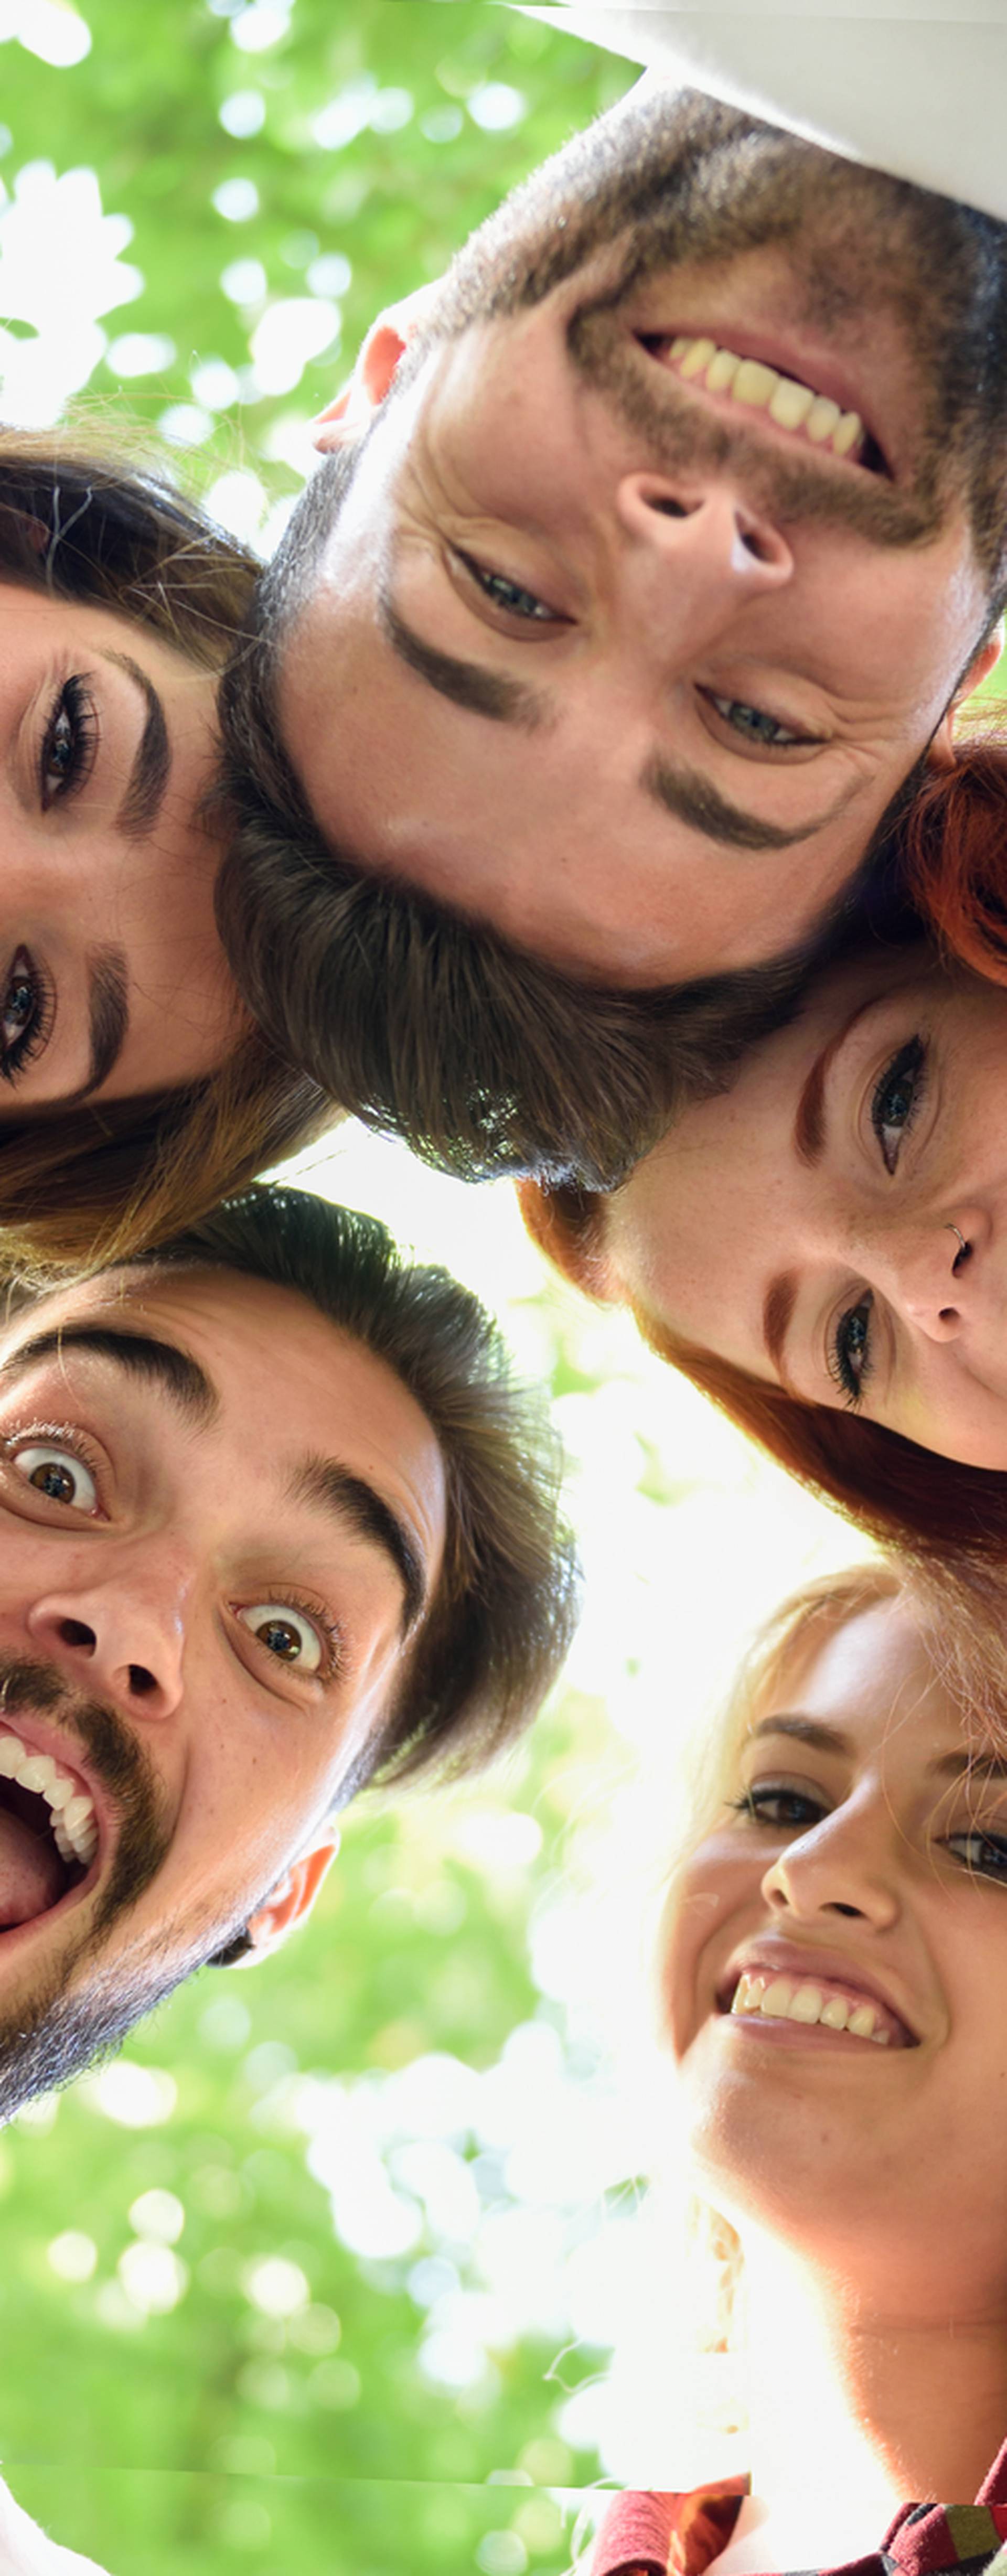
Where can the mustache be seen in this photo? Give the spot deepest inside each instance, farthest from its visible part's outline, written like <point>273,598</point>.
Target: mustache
<point>117,1758</point>
<point>678,437</point>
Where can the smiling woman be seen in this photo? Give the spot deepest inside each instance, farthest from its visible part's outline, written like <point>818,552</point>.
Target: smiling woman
<point>833,1954</point>
<point>133,1087</point>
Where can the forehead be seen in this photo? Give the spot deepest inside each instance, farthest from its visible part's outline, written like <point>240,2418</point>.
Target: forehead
<point>287,1380</point>
<point>873,1679</point>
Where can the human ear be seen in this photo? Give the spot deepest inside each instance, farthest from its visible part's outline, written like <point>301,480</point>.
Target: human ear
<point>983,662</point>
<point>289,1901</point>
<point>348,416</point>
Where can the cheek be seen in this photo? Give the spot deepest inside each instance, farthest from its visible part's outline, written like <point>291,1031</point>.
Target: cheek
<point>717,1900</point>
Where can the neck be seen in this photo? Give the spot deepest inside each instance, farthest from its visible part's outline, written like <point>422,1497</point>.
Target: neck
<point>860,2405</point>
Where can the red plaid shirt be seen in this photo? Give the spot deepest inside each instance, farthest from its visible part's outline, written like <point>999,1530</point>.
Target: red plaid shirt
<point>681,2535</point>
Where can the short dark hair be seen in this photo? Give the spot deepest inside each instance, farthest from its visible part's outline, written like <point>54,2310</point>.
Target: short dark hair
<point>497,1630</point>
<point>431,1026</point>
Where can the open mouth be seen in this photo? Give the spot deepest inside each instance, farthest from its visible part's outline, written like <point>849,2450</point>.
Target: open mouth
<point>48,1832</point>
<point>819,2001</point>
<point>802,413</point>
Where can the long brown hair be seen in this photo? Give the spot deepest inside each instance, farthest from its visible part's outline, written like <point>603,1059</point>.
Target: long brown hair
<point>99,1180</point>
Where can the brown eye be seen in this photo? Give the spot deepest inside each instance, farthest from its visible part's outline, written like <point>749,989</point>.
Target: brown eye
<point>57,1474</point>
<point>285,1634</point>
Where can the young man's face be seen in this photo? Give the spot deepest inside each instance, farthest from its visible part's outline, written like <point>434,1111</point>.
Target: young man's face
<point>219,1521</point>
<point>630,663</point>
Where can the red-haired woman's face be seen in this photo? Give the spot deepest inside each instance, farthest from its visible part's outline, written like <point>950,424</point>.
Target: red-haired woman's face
<point>836,1223</point>
<point>835,1967</point>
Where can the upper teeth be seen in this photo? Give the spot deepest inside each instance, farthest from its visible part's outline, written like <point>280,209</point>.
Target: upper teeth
<point>74,1823</point>
<point>791,405</point>
<point>790,1999</point>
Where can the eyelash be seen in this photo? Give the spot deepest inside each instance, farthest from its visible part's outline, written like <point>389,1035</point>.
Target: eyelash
<point>910,1067</point>
<point>72,707</point>
<point>35,1031</point>
<point>728,708</point>
<point>62,1436</point>
<point>541,613</point>
<point>329,1636</point>
<point>755,1804</point>
<point>57,1435</point>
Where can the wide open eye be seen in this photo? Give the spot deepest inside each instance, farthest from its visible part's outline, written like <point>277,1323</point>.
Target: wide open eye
<point>57,1473</point>
<point>285,1634</point>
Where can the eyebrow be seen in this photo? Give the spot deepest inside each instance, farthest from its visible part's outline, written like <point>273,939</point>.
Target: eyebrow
<point>806,1730</point>
<point>160,1364</point>
<point>108,1018</point>
<point>694,800</point>
<point>466,684</point>
<point>149,775</point>
<point>961,1764</point>
<point>330,1487</point>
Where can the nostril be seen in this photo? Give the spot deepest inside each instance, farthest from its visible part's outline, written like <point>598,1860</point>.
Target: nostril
<point>662,501</point>
<point>141,1682</point>
<point>74,1633</point>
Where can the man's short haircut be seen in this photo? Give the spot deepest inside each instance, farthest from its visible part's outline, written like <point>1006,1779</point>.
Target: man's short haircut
<point>495,1634</point>
<point>434,1027</point>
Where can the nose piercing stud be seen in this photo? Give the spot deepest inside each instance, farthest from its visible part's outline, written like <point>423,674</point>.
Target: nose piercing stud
<point>965,1248</point>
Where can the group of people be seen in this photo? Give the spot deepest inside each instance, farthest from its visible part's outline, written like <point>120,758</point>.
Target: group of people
<point>586,793</point>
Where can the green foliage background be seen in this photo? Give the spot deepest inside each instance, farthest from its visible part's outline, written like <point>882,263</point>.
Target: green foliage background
<point>216,2429</point>
<point>201,2364</point>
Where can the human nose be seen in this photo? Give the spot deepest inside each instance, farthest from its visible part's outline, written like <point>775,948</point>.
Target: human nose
<point>121,1636</point>
<point>711,551</point>
<point>841,1866</point>
<point>935,1273</point>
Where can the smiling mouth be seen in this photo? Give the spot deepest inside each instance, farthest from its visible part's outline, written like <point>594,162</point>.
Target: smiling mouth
<point>799,412</point>
<point>814,2001</point>
<point>48,1832</point>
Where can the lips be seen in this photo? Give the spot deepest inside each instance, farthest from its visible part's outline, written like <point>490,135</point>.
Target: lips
<point>767,1979</point>
<point>49,1832</point>
<point>793,402</point>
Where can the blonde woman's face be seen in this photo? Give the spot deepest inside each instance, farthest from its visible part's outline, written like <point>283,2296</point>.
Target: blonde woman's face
<point>835,1969</point>
<point>112,978</point>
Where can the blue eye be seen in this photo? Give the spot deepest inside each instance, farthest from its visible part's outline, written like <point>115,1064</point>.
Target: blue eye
<point>897,1099</point>
<point>755,725</point>
<point>850,1358</point>
<point>509,596</point>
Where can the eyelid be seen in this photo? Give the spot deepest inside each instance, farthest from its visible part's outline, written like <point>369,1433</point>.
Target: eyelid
<point>803,741</point>
<point>474,576</point>
<point>331,1639</point>
<point>59,1435</point>
<point>73,695</point>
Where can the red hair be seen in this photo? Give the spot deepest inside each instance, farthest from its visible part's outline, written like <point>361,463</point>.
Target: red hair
<point>951,850</point>
<point>952,853</point>
<point>897,1493</point>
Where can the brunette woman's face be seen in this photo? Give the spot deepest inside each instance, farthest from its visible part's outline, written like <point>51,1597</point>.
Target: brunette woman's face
<point>859,1866</point>
<point>836,1223</point>
<point>112,978</point>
